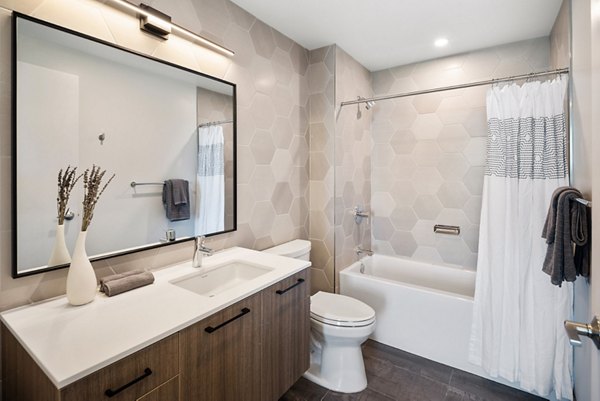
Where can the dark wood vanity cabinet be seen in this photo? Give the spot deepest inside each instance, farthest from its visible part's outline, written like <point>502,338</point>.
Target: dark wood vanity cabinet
<point>253,350</point>
<point>149,374</point>
<point>286,334</point>
<point>220,355</point>
<point>133,377</point>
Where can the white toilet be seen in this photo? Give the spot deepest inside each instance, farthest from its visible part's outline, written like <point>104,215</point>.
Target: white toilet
<point>339,325</point>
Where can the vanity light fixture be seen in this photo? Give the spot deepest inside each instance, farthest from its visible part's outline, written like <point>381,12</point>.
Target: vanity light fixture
<point>160,24</point>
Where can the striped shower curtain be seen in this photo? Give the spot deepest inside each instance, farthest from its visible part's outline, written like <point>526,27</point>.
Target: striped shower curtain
<point>210,181</point>
<point>517,330</point>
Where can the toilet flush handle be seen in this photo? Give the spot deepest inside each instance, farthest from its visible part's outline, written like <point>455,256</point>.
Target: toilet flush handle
<point>575,329</point>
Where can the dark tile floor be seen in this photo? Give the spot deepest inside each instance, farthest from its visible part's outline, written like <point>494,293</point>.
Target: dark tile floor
<point>393,374</point>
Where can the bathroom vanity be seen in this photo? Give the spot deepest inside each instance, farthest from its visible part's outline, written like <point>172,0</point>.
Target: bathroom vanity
<point>245,337</point>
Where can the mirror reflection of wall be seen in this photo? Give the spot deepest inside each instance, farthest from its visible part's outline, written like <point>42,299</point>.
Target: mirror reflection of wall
<point>81,103</point>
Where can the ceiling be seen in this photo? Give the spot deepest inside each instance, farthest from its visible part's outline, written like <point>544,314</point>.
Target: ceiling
<point>386,33</point>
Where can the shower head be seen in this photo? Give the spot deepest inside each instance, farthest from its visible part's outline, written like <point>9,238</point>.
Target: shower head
<point>368,103</point>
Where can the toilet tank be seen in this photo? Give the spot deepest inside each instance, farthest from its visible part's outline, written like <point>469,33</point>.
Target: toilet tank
<point>297,249</point>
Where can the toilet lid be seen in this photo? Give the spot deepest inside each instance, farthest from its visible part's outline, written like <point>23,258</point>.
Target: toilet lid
<point>340,310</point>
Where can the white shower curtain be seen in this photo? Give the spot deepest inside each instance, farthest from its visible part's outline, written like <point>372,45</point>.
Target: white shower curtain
<point>517,330</point>
<point>210,181</point>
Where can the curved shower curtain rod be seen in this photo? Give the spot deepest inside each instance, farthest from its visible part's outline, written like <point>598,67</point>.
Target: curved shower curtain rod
<point>461,86</point>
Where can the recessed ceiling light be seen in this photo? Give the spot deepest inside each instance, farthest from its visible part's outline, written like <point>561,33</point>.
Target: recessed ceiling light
<point>440,42</point>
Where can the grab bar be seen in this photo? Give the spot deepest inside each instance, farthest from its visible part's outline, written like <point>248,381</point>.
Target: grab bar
<point>443,229</point>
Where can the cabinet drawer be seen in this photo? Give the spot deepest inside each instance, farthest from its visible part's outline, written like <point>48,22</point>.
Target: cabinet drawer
<point>166,392</point>
<point>131,377</point>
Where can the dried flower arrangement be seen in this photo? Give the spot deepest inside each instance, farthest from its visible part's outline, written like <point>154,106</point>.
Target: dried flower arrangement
<point>66,183</point>
<point>92,179</point>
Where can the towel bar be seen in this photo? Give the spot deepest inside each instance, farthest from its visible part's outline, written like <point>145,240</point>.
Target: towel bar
<point>584,201</point>
<point>135,184</point>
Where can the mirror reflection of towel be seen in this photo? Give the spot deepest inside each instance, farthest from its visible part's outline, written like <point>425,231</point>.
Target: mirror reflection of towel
<point>175,199</point>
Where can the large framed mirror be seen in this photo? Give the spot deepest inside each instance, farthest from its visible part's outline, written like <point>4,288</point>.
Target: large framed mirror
<point>79,101</point>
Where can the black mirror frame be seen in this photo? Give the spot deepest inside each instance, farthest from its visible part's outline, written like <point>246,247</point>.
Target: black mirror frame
<point>14,271</point>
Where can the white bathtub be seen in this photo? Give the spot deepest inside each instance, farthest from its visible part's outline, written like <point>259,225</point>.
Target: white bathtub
<point>420,308</point>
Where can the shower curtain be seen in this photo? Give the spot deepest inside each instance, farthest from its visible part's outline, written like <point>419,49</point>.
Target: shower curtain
<point>517,331</point>
<point>210,181</point>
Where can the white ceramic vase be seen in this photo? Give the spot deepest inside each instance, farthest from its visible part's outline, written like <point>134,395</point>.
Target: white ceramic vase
<point>60,253</point>
<point>81,280</point>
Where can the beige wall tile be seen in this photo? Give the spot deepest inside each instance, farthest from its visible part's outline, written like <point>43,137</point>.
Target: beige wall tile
<point>272,91</point>
<point>439,144</point>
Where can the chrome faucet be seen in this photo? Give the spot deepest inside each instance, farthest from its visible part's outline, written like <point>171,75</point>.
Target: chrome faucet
<point>199,251</point>
<point>360,251</point>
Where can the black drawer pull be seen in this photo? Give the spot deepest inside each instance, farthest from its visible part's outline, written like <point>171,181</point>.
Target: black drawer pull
<point>300,281</point>
<point>211,329</point>
<point>111,393</point>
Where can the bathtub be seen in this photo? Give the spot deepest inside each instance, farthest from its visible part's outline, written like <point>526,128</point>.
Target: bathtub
<point>421,308</point>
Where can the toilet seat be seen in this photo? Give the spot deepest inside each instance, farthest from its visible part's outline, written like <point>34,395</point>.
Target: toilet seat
<point>340,310</point>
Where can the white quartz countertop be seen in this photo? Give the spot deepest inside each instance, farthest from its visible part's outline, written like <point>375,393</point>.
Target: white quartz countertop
<point>70,342</point>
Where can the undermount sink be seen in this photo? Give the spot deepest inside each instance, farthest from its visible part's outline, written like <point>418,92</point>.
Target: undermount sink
<point>221,278</point>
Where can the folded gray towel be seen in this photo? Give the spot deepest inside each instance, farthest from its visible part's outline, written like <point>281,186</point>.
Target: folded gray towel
<point>116,277</point>
<point>175,197</point>
<point>127,283</point>
<point>566,223</point>
<point>180,192</point>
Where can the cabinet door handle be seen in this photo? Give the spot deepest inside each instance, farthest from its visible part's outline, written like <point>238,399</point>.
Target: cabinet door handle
<point>211,329</point>
<point>280,292</point>
<point>111,393</point>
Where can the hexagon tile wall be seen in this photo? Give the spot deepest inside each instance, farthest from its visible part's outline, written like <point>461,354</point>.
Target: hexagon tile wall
<point>321,76</point>
<point>353,145</point>
<point>270,71</point>
<point>429,151</point>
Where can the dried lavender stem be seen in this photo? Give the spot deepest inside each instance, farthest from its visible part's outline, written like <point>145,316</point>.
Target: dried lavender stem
<point>92,190</point>
<point>66,183</point>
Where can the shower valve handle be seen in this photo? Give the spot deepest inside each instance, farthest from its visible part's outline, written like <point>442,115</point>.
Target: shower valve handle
<point>575,329</point>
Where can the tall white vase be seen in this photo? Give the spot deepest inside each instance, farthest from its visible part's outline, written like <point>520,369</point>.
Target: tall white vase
<point>60,253</point>
<point>81,280</point>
